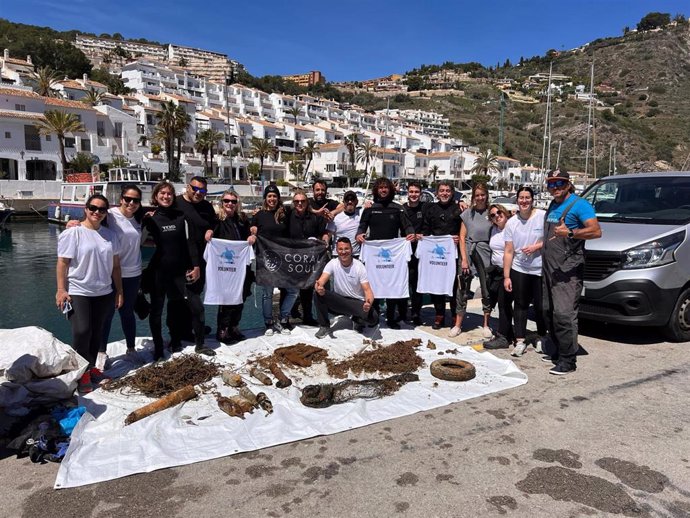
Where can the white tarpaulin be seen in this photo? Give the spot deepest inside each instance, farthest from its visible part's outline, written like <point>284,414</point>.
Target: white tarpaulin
<point>102,448</point>
<point>36,367</point>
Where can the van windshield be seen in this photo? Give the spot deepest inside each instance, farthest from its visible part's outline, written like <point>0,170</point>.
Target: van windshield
<point>661,201</point>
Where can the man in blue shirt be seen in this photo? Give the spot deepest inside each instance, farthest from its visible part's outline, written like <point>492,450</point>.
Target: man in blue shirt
<point>570,220</point>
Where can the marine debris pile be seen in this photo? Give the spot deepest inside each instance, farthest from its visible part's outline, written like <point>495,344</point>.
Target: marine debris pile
<point>327,394</point>
<point>160,379</point>
<point>397,358</point>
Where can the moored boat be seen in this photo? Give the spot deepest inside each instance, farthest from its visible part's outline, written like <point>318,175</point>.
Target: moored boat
<point>5,214</point>
<point>77,188</point>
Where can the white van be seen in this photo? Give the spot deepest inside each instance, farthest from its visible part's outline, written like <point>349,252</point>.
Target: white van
<point>638,273</point>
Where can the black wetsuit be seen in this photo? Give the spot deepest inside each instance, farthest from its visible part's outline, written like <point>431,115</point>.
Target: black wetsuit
<point>415,215</point>
<point>176,253</point>
<point>442,219</point>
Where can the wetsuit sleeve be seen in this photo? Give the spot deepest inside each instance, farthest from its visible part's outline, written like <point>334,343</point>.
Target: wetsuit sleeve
<point>406,227</point>
<point>426,220</point>
<point>364,222</point>
<point>191,243</point>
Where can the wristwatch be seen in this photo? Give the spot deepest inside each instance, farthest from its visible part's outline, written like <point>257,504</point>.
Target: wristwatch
<point>571,234</point>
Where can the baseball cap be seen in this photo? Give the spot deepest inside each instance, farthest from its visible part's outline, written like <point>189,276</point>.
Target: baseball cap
<point>350,195</point>
<point>271,189</point>
<point>557,174</point>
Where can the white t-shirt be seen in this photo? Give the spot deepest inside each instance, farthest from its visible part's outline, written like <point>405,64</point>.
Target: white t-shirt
<point>498,246</point>
<point>438,257</point>
<point>346,226</point>
<point>386,262</point>
<point>128,232</point>
<point>522,233</point>
<point>226,269</point>
<point>347,281</point>
<point>91,254</point>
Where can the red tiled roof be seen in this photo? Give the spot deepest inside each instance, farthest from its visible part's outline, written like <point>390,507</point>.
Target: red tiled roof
<point>17,92</point>
<point>53,101</point>
<point>12,114</point>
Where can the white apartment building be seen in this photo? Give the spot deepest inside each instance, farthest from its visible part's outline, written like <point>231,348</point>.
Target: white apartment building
<point>15,72</point>
<point>430,123</point>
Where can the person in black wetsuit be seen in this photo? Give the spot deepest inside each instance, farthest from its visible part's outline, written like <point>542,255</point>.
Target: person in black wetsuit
<point>441,219</point>
<point>413,209</point>
<point>174,264</point>
<point>232,225</point>
<point>271,221</point>
<point>201,215</point>
<point>303,224</point>
<point>386,219</point>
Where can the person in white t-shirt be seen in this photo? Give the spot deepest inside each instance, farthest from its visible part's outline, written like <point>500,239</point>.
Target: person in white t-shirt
<point>350,294</point>
<point>347,222</point>
<point>524,238</point>
<point>88,267</point>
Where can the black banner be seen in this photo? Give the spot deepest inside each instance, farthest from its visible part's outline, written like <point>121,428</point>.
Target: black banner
<point>289,263</point>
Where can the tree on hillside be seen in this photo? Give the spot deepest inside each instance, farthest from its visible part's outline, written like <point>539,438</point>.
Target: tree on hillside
<point>207,141</point>
<point>59,123</point>
<point>294,112</point>
<point>365,153</point>
<point>116,86</point>
<point>63,57</point>
<point>171,129</point>
<point>351,143</point>
<point>93,97</point>
<point>44,79</point>
<point>309,151</point>
<point>485,164</point>
<point>653,20</point>
<point>433,171</point>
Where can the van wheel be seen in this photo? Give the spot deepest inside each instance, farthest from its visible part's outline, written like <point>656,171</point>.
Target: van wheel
<point>678,328</point>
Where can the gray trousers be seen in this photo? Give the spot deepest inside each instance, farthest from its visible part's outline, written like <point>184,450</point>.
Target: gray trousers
<point>561,304</point>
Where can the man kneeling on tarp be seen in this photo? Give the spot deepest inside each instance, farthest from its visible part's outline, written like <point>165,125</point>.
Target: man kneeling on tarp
<point>351,294</point>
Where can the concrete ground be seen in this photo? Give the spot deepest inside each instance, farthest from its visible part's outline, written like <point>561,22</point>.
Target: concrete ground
<point>611,439</point>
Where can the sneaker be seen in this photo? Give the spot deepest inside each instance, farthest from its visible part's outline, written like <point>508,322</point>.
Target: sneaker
<point>561,369</point>
<point>392,324</point>
<point>323,332</point>
<point>269,330</point>
<point>549,359</point>
<point>537,346</point>
<point>455,331</point>
<point>519,349</point>
<point>357,324</point>
<point>101,360</point>
<point>487,333</point>
<point>236,335</point>
<point>500,342</point>
<point>438,322</point>
<point>202,349</point>
<point>84,385</point>
<point>281,328</point>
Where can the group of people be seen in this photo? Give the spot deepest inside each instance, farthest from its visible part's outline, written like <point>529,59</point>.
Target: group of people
<point>534,257</point>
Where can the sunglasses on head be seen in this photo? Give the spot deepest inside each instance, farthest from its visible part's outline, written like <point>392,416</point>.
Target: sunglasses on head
<point>556,183</point>
<point>200,190</point>
<point>96,208</point>
<point>129,199</point>
<point>228,200</point>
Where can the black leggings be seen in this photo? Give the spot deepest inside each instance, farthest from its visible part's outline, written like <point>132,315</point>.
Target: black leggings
<point>526,290</point>
<point>504,299</point>
<point>87,319</point>
<point>177,309</point>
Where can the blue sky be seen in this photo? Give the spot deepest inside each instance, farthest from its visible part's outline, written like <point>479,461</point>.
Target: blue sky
<point>355,39</point>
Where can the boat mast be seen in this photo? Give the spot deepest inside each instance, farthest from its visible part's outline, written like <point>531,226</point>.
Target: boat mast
<point>547,128</point>
<point>589,120</point>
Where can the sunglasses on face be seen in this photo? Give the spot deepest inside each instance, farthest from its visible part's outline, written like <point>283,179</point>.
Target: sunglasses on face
<point>494,215</point>
<point>96,208</point>
<point>228,200</point>
<point>556,184</point>
<point>129,199</point>
<point>200,190</point>
<point>299,202</point>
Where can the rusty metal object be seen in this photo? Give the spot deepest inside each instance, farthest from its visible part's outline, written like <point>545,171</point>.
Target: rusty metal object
<point>261,376</point>
<point>283,380</point>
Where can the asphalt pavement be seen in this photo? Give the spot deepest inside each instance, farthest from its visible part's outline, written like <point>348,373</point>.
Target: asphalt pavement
<point>611,439</point>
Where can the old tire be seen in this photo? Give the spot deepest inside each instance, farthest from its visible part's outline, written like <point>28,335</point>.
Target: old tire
<point>453,370</point>
<point>678,327</point>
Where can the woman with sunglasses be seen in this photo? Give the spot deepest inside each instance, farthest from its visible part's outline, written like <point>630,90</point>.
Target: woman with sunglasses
<point>524,236</point>
<point>232,225</point>
<point>499,216</point>
<point>88,267</point>
<point>125,221</point>
<point>175,265</point>
<point>474,254</point>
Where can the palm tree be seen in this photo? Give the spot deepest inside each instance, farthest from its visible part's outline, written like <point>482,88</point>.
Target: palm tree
<point>310,149</point>
<point>365,152</point>
<point>203,146</point>
<point>215,137</point>
<point>93,97</point>
<point>485,164</point>
<point>171,129</point>
<point>351,143</point>
<point>434,172</point>
<point>294,112</point>
<point>45,78</point>
<point>182,122</point>
<point>59,123</point>
<point>262,148</point>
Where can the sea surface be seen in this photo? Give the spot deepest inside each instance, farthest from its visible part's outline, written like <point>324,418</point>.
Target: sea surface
<point>27,285</point>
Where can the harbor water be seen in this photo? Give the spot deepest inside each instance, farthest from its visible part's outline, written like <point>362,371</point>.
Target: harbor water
<point>27,285</point>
